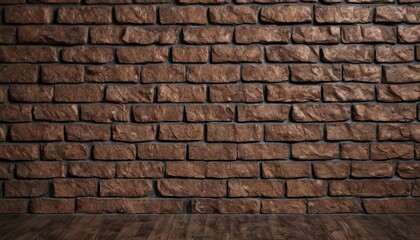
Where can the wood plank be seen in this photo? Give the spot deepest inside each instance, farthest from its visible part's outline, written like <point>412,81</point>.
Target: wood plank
<point>162,228</point>
<point>239,227</point>
<point>283,227</point>
<point>180,227</point>
<point>196,227</point>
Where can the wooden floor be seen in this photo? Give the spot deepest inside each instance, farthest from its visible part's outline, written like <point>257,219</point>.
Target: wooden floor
<point>80,227</point>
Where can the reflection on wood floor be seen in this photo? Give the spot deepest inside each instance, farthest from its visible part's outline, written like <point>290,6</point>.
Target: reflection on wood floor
<point>103,227</point>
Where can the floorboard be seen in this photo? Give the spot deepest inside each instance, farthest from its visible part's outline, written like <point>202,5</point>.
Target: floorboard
<point>204,227</point>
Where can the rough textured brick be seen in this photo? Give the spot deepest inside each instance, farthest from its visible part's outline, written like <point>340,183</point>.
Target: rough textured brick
<point>261,34</point>
<point>408,14</point>
<point>361,73</point>
<point>370,188</point>
<point>18,152</point>
<point>162,73</point>
<point>124,188</point>
<point>351,131</point>
<point>369,34</point>
<point>233,14</point>
<point>114,151</point>
<point>63,73</point>
<point>392,206</point>
<point>262,151</point>
<point>326,170</point>
<point>343,14</point>
<point>15,113</point>
<point>213,73</point>
<point>306,188</point>
<point>313,151</point>
<point>265,73</point>
<point>324,34</point>
<point>347,93</point>
<point>372,169</point>
<point>135,14</point>
<point>84,15</point>
<point>158,113</point>
<point>284,93</point>
<point>65,151</point>
<point>192,188</point>
<point>189,54</point>
<point>105,113</point>
<point>181,132</point>
<point>385,151</point>
<point>339,205</point>
<point>283,206</point>
<point>320,112</point>
<point>87,132</point>
<point>126,94</point>
<point>298,53</point>
<point>253,113</point>
<point>234,133</point>
<point>399,132</point>
<point>30,54</point>
<point>210,113</point>
<point>286,14</point>
<point>212,152</point>
<point>25,188</point>
<point>222,53</point>
<point>293,132</point>
<point>232,170</point>
<point>37,132</point>
<point>133,132</point>
<point>56,113</point>
<point>255,188</point>
<point>41,170</point>
<point>18,73</point>
<point>7,171</point>
<point>207,35</point>
<point>384,113</point>
<point>389,54</point>
<point>31,93</point>
<point>52,206</point>
<point>354,151</point>
<point>351,54</point>
<point>144,54</point>
<point>181,93</point>
<point>13,206</point>
<point>140,170</point>
<point>409,34</point>
<point>183,15</point>
<point>286,170</point>
<point>161,151</point>
<point>92,169</point>
<point>408,169</point>
<point>398,93</point>
<point>62,35</point>
<point>186,169</point>
<point>226,206</point>
<point>402,73</point>
<point>111,73</point>
<point>28,14</point>
<point>88,54</point>
<point>236,93</point>
<point>315,73</point>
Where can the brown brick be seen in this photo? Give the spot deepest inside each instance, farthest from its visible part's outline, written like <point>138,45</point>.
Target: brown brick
<point>59,1</point>
<point>223,53</point>
<point>42,206</point>
<point>186,169</point>
<point>37,132</point>
<point>85,15</point>
<point>181,132</point>
<point>225,206</point>
<point>234,133</point>
<point>361,73</point>
<point>372,169</point>
<point>105,113</point>
<point>293,132</point>
<point>398,93</point>
<point>15,113</point>
<point>327,170</point>
<point>384,151</point>
<point>25,188</point>
<point>295,53</point>
<point>192,188</point>
<point>88,54</point>
<point>355,151</point>
<point>41,170</point>
<point>8,35</point>
<point>233,14</point>
<point>286,170</point>
<point>203,1</point>
<point>87,132</point>
<point>285,93</point>
<point>316,34</point>
<point>375,206</point>
<point>161,151</point>
<point>135,14</point>
<point>111,73</point>
<point>18,152</point>
<point>236,93</point>
<point>347,93</point>
<point>63,73</point>
<point>110,151</point>
<point>53,35</point>
<point>30,54</point>
<point>286,14</point>
<point>344,14</point>
<point>232,170</point>
<point>129,205</point>
<point>314,151</point>
<point>397,14</point>
<point>351,131</point>
<point>140,170</point>
<point>283,206</point>
<point>133,132</point>
<point>207,35</point>
<point>261,34</point>
<point>162,73</point>
<point>126,94</point>
<point>28,14</point>
<point>350,54</point>
<point>78,93</point>
<point>409,169</point>
<point>390,54</point>
<point>92,169</point>
<point>335,205</point>
<point>252,113</point>
<point>315,73</point>
<point>416,189</point>
<point>210,112</point>
<point>133,35</point>
<point>183,15</point>
<point>12,2</point>
<point>212,152</point>
<point>306,188</point>
<point>65,151</point>
<point>369,34</point>
<point>56,113</point>
<point>370,188</point>
<point>262,151</point>
<point>125,188</point>
<point>384,112</point>
<point>3,133</point>
<point>409,72</point>
<point>399,132</point>
<point>181,93</point>
<point>14,206</point>
<point>265,73</point>
<point>188,54</point>
<point>213,73</point>
<point>31,93</point>
<point>7,171</point>
<point>409,34</point>
<point>143,54</point>
<point>18,73</point>
<point>255,188</point>
<point>320,112</point>
<point>158,113</point>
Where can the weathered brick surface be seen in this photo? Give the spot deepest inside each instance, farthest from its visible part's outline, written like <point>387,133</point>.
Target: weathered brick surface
<point>209,106</point>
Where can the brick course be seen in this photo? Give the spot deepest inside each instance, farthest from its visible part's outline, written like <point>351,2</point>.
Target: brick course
<point>209,106</point>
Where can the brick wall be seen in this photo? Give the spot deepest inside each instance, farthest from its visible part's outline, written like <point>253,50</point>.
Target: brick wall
<point>209,106</point>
